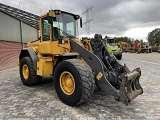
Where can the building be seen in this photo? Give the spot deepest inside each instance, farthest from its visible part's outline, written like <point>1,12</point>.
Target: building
<point>17,27</point>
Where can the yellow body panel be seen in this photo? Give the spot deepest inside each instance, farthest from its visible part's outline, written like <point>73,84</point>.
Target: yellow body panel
<point>44,66</point>
<point>45,47</point>
<point>50,13</point>
<point>34,45</point>
<point>53,48</point>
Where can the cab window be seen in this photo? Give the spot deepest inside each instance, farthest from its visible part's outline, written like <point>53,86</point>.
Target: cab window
<point>46,27</point>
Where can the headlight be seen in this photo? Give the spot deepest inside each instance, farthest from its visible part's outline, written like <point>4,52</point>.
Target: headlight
<point>57,12</point>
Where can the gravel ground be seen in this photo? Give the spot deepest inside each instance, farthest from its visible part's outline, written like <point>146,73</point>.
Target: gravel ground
<point>41,102</point>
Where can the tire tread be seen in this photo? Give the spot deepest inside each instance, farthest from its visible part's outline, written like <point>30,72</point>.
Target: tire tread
<point>33,77</point>
<point>87,79</point>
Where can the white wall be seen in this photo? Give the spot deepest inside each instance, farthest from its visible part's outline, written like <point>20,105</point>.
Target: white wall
<point>10,30</point>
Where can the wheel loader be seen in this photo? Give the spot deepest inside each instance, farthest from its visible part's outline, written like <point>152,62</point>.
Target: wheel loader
<point>124,46</point>
<point>76,69</point>
<point>144,47</point>
<point>112,47</point>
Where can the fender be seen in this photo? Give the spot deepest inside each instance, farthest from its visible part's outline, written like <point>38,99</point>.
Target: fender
<point>29,52</point>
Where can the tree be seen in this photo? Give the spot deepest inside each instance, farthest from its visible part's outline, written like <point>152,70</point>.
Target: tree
<point>124,39</point>
<point>154,36</point>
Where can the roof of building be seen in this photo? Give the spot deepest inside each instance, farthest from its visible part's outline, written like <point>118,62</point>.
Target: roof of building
<point>26,17</point>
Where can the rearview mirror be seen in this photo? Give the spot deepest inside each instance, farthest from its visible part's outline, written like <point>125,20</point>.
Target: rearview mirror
<point>81,22</point>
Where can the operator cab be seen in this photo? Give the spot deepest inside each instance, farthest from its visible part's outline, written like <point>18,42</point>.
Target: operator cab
<point>110,41</point>
<point>59,24</point>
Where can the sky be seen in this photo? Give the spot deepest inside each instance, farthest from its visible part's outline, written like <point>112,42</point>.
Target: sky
<point>114,18</point>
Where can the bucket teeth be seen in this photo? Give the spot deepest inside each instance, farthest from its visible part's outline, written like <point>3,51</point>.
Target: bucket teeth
<point>130,87</point>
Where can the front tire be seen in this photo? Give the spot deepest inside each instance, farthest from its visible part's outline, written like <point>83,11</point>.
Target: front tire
<point>119,57</point>
<point>28,73</point>
<point>74,82</point>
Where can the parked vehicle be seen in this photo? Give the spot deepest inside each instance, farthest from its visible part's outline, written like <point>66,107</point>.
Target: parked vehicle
<point>112,47</point>
<point>124,46</point>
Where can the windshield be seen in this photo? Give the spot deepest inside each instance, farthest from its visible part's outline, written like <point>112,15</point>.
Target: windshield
<point>111,42</point>
<point>66,26</point>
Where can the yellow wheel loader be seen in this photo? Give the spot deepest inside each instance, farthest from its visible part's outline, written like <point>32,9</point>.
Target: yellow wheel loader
<point>76,67</point>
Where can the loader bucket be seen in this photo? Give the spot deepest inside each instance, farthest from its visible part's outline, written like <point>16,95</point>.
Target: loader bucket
<point>130,87</point>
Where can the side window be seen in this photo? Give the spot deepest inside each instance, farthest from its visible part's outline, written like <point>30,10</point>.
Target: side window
<point>46,27</point>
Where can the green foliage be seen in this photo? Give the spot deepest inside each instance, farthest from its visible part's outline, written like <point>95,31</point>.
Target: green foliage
<point>124,39</point>
<point>154,36</point>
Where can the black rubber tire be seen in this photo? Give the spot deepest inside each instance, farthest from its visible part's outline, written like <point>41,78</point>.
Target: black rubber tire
<point>33,78</point>
<point>84,81</point>
<point>119,57</point>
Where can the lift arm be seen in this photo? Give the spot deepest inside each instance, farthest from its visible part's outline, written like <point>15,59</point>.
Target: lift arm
<point>111,76</point>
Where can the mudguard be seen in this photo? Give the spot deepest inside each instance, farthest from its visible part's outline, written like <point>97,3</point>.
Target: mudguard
<point>29,52</point>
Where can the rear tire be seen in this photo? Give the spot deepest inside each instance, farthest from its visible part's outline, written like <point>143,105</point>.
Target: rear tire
<point>28,73</point>
<point>81,80</point>
<point>119,57</point>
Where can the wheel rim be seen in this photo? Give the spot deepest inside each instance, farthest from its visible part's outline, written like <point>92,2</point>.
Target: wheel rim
<point>25,71</point>
<point>67,83</point>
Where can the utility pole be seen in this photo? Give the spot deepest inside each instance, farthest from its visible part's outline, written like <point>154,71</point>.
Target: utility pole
<point>88,19</point>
